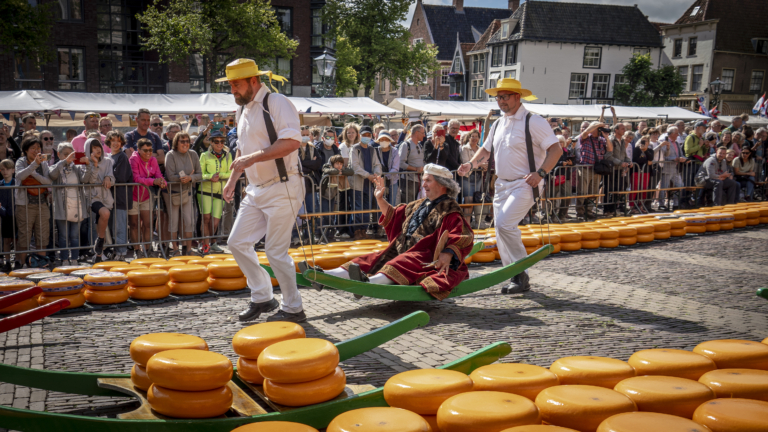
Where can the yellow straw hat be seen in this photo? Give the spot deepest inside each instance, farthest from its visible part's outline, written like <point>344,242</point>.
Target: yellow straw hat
<point>246,68</point>
<point>511,85</point>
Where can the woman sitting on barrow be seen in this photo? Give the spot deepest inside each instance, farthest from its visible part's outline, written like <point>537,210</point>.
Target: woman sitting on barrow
<point>428,240</point>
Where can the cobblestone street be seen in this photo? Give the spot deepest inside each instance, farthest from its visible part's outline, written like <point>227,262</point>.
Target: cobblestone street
<point>672,294</point>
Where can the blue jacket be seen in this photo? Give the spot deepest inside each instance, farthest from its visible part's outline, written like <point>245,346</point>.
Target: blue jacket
<point>6,197</point>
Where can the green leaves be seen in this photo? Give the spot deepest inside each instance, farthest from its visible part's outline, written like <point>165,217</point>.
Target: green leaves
<point>647,87</point>
<point>26,30</point>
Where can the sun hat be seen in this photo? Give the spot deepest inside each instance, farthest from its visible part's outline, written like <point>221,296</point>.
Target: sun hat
<point>437,171</point>
<point>246,68</point>
<point>512,85</point>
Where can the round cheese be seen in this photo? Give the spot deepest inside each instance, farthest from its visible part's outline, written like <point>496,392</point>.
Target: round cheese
<point>422,391</point>
<point>149,292</point>
<point>753,213</point>
<point>69,269</point>
<point>147,278</point>
<point>126,268</point>
<point>228,284</point>
<point>148,261</point>
<point>612,243</point>
<point>726,226</point>
<point>189,369</point>
<point>307,393</point>
<point>739,223</point>
<point>75,300</point>
<point>738,383</point>
<point>626,231</point>
<point>570,237</point>
<point>645,238</point>
<point>166,265</point>
<point>735,353</point>
<point>677,224</point>
<point>22,273</point>
<point>659,226</point>
<point>183,258</point>
<point>753,222</point>
<point>329,261</point>
<point>203,261</point>
<point>545,238</point>
<point>517,378</point>
<point>530,241</point>
<point>538,428</point>
<point>591,370</point>
<point>570,246</point>
<point>188,273</point>
<point>38,277</point>
<point>145,346</point>
<point>485,411</point>
<point>372,242</point>
<point>248,371</point>
<point>667,395</point>
<point>219,256</point>
<point>587,235</point>
<point>528,250</point>
<point>555,249</point>
<point>298,360</point>
<point>671,362</point>
<point>627,241</point>
<point>485,256</point>
<point>224,269</point>
<point>355,254</point>
<point>105,281</point>
<point>61,285</point>
<point>252,340</point>
<point>662,235</point>
<point>184,404</point>
<point>733,415</point>
<point>763,220</point>
<point>106,297</point>
<point>581,407</point>
<point>695,229</point>
<point>188,288</point>
<point>21,306</point>
<point>677,232</point>
<point>432,421</point>
<point>139,377</point>
<point>106,265</point>
<point>608,234</point>
<point>276,426</point>
<point>378,419</point>
<point>590,244</point>
<point>643,228</point>
<point>712,227</point>
<point>648,421</point>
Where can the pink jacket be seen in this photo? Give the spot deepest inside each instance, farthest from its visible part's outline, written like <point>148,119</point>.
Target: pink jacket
<point>143,173</point>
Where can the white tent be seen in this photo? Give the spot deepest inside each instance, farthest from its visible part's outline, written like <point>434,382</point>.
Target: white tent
<point>349,105</point>
<point>18,101</point>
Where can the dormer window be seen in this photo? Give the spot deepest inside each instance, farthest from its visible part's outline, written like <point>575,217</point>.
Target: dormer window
<point>761,46</point>
<point>695,11</point>
<point>504,30</point>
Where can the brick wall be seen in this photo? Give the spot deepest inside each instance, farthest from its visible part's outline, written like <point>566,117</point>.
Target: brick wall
<point>419,30</point>
<point>744,64</point>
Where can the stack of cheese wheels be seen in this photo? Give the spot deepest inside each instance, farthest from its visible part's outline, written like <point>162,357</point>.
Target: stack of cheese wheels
<point>484,256</point>
<point>591,370</point>
<point>226,276</point>
<point>149,284</point>
<point>763,209</point>
<point>627,235</point>
<point>726,221</point>
<point>188,279</point>
<point>148,261</point>
<point>521,379</point>
<point>107,265</point>
<point>106,287</point>
<point>677,227</point>
<point>490,244</point>
<point>695,224</point>
<point>167,265</point>
<point>552,238</point>
<point>379,419</point>
<point>645,232</point>
<point>23,273</point>
<point>570,241</point>
<point>735,353</point>
<point>276,426</point>
<point>300,372</point>
<point>581,407</point>
<point>666,395</point>
<point>145,346</point>
<point>661,229</point>
<point>671,362</point>
<point>37,277</point>
<point>203,261</point>
<point>486,411</point>
<point>646,422</point>
<point>423,391</point>
<point>249,342</point>
<point>738,383</point>
<point>733,415</point>
<point>189,383</point>
<point>739,218</point>
<point>10,287</point>
<point>60,287</point>
<point>69,269</point>
<point>609,238</point>
<point>753,217</point>
<point>184,258</point>
<point>85,272</point>
<point>713,222</point>
<point>124,269</point>
<point>531,243</point>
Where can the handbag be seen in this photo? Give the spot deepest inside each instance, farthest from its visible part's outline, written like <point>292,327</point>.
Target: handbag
<point>603,167</point>
<point>31,181</point>
<point>182,197</point>
<point>560,179</point>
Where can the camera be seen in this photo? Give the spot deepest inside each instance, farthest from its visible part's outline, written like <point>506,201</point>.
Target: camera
<point>604,130</point>
<point>496,112</point>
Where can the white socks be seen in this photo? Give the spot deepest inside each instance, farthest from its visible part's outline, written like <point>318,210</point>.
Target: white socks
<point>378,278</point>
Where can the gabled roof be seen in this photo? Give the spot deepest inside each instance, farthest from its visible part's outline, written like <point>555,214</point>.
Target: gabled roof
<point>738,22</point>
<point>445,22</point>
<point>599,24</point>
<point>493,28</point>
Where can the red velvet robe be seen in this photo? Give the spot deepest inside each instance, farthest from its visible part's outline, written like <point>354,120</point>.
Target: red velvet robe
<point>444,228</point>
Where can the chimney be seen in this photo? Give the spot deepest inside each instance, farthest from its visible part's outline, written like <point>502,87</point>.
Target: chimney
<point>514,4</point>
<point>459,5</point>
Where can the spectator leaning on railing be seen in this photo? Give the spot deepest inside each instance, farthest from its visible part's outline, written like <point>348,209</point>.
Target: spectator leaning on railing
<point>618,158</point>
<point>745,169</point>
<point>335,175</point>
<point>32,212</point>
<point>714,176</point>
<point>672,156</point>
<point>147,173</point>
<point>102,200</point>
<point>121,170</point>
<point>366,165</point>
<point>215,169</point>
<point>411,162</point>
<point>696,151</point>
<point>642,156</point>
<point>593,149</point>
<point>182,165</point>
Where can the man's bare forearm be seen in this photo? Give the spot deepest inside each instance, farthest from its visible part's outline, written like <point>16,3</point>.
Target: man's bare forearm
<point>553,155</point>
<point>480,156</point>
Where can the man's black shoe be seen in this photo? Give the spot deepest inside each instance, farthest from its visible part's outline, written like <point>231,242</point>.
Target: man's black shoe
<point>282,315</point>
<point>520,283</point>
<point>303,266</point>
<point>358,275</point>
<point>256,309</point>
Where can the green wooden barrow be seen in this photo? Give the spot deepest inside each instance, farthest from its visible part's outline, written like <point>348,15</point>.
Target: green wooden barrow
<point>763,292</point>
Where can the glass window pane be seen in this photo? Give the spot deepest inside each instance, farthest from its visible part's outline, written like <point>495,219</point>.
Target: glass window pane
<point>76,9</point>
<point>727,79</point>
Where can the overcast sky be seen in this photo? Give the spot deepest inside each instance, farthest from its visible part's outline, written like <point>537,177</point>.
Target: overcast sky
<point>664,11</point>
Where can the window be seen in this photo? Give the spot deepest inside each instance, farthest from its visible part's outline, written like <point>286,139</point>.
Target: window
<point>457,88</point>
<point>382,86</point>
<point>444,77</point>
<point>592,57</point>
<point>578,88</point>
<point>71,69</point>
<point>475,63</point>
<point>456,67</point>
<point>196,73</point>
<point>761,46</point>
<point>619,79</point>
<point>692,42</point>
<point>418,40</point>
<point>504,30</point>
<point>27,76</point>
<point>510,74</point>
<point>477,89</point>
<point>683,71</point>
<point>283,67</point>
<point>756,82</point>
<point>68,10</point>
<point>696,78</point>
<point>283,16</point>
<point>678,50</point>
<point>392,87</point>
<point>600,84</point>
<point>317,28</point>
<point>425,79</point>
<point>727,79</point>
<point>641,51</point>
<point>497,56</point>
<point>511,54</point>
<point>695,11</point>
<point>482,63</point>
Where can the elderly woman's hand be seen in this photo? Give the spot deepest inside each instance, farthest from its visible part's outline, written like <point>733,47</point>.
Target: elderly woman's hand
<point>70,158</point>
<point>186,179</point>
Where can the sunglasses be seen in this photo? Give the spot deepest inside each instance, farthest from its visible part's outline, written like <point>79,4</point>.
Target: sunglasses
<point>157,124</point>
<point>146,150</point>
<point>217,141</point>
<point>47,138</point>
<point>503,97</point>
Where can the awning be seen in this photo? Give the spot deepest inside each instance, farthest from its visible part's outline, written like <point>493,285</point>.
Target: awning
<point>18,101</point>
<point>348,105</point>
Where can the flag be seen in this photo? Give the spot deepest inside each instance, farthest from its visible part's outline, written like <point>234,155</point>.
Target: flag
<point>714,112</point>
<point>309,110</point>
<point>72,114</point>
<point>103,114</point>
<point>7,116</point>
<point>764,107</point>
<point>702,109</point>
<point>173,117</point>
<point>119,117</point>
<point>758,106</point>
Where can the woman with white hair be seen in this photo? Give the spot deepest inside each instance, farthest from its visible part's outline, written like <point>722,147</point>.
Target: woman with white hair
<point>436,150</point>
<point>474,181</point>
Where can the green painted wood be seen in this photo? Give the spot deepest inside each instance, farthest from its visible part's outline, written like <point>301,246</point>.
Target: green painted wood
<point>318,416</point>
<point>358,345</point>
<point>476,248</point>
<point>299,277</point>
<point>763,292</point>
<point>417,293</point>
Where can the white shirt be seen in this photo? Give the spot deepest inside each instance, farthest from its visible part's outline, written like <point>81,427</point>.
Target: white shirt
<point>511,154</point>
<point>252,133</point>
<point>344,150</point>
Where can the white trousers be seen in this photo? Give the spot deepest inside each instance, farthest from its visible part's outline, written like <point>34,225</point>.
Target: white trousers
<point>510,205</point>
<point>271,211</point>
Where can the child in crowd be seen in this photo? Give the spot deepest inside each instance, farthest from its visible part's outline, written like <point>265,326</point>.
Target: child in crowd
<point>121,170</point>
<point>101,197</point>
<point>7,169</point>
<point>329,189</point>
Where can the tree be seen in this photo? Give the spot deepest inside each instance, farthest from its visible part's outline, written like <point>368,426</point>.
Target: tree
<point>220,30</point>
<point>26,30</point>
<point>644,86</point>
<point>381,44</point>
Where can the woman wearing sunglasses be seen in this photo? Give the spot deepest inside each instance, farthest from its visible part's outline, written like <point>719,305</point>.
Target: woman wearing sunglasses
<point>744,167</point>
<point>214,165</point>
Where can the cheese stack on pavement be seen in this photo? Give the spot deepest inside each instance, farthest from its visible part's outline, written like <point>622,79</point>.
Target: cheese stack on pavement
<point>249,342</point>
<point>106,287</point>
<point>69,269</point>
<point>226,276</point>
<point>37,277</point>
<point>60,287</point>
<point>145,346</point>
<point>149,284</point>
<point>188,279</point>
<point>107,265</point>
<point>124,269</point>
<point>82,273</point>
<point>424,390</point>
<point>300,372</point>
<point>189,383</point>
<point>23,273</point>
<point>379,419</point>
<point>10,287</point>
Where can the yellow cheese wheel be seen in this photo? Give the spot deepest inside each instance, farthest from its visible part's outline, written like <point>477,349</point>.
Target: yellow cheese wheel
<point>148,261</point>
<point>555,249</point>
<point>106,265</point>
<point>671,362</point>
<point>694,220</point>
<point>203,261</point>
<point>763,212</point>
<point>645,238</point>
<point>727,226</point>
<point>378,419</point>
<point>712,227</point>
<point>83,273</point>
<point>551,238</point>
<point>530,241</point>
<point>105,281</point>
<point>538,428</point>
<point>422,391</point>
<point>21,306</point>
<point>188,273</point>
<point>149,292</point>
<point>740,215</point>
<point>61,285</point>
<point>570,237</point>
<point>517,378</point>
<point>106,297</point>
<point>69,269</point>
<point>696,229</point>
<point>735,353</point>
<point>627,241</point>
<point>733,415</point>
<point>148,277</point>
<point>648,421</point>
<point>677,223</point>
<point>485,256</point>
<point>22,273</point>
<point>643,228</point>
<point>184,404</point>
<point>612,243</point>
<point>145,346</point>
<point>581,407</point>
<point>763,220</point>
<point>738,383</point>
<point>166,265</point>
<point>355,254</point>
<point>75,300</point>
<point>753,214</point>
<point>662,235</point>
<point>224,269</point>
<point>307,393</point>
<point>139,377</point>
<point>659,226</point>
<point>228,284</point>
<point>739,224</point>
<point>753,222</point>
<point>481,411</point>
<point>591,370</point>
<point>219,256</point>
<point>677,232</point>
<point>570,246</point>
<point>182,258</point>
<point>189,369</point>
<point>298,360</point>
<point>366,242</point>
<point>126,268</point>
<point>666,395</point>
<point>275,426</point>
<point>626,231</point>
<point>329,261</point>
<point>590,244</point>
<point>528,249</point>
<point>607,234</point>
<point>369,247</point>
<point>252,340</point>
<point>248,370</point>
<point>188,288</point>
<point>468,260</point>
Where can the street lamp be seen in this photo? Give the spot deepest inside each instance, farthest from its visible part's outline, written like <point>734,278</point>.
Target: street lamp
<point>326,68</point>
<point>715,87</point>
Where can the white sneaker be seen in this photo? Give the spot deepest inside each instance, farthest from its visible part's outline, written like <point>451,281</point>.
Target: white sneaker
<point>344,236</point>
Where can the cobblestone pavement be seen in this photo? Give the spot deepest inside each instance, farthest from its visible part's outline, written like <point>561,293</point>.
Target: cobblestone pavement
<point>609,303</point>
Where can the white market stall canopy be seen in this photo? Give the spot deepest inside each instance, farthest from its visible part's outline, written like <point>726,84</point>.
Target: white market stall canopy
<point>18,101</point>
<point>473,110</point>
